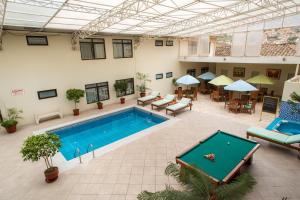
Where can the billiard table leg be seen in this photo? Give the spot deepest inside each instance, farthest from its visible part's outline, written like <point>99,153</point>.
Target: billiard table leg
<point>249,162</point>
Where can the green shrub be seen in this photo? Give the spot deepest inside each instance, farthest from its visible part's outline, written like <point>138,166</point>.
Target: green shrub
<point>41,146</point>
<point>120,87</point>
<point>75,95</point>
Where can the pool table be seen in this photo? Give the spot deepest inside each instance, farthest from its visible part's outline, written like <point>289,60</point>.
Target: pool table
<point>231,153</point>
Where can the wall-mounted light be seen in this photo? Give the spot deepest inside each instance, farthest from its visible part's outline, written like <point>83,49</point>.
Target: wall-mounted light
<point>283,59</point>
<point>224,59</point>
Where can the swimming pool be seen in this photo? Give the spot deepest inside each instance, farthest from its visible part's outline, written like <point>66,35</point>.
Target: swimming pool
<point>104,130</point>
<point>285,126</point>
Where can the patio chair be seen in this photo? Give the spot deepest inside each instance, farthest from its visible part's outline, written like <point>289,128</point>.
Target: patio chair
<point>254,95</point>
<point>289,141</point>
<point>234,106</point>
<point>249,107</point>
<point>215,95</point>
<point>151,97</point>
<point>182,104</point>
<point>163,102</point>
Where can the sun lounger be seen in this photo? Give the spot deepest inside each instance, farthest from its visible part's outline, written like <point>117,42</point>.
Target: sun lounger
<point>163,102</point>
<point>289,141</point>
<point>143,100</point>
<point>182,104</point>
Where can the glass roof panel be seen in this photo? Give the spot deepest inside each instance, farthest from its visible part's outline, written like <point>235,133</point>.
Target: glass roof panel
<point>63,26</point>
<point>76,15</point>
<point>79,22</point>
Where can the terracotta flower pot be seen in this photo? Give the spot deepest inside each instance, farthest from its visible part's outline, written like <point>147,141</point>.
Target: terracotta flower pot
<point>11,129</point>
<point>76,112</point>
<point>142,94</point>
<point>122,100</point>
<point>100,106</point>
<point>51,174</point>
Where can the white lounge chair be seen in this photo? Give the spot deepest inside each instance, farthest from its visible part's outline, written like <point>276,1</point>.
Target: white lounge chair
<point>151,97</point>
<point>163,102</point>
<point>182,104</point>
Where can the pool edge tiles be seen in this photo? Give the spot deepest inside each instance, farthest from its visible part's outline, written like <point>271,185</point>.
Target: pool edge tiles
<point>104,130</point>
<point>59,159</point>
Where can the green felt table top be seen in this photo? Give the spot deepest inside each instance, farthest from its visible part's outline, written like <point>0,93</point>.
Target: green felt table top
<point>229,151</point>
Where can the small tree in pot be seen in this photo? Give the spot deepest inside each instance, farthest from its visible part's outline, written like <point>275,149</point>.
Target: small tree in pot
<point>42,146</point>
<point>100,105</point>
<point>10,124</point>
<point>121,87</point>
<point>143,79</point>
<point>75,95</point>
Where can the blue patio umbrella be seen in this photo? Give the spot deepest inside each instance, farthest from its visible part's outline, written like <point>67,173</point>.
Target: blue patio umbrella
<point>207,76</point>
<point>187,80</point>
<point>240,86</point>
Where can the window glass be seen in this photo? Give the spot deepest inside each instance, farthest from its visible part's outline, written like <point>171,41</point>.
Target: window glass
<point>86,51</point>
<point>97,92</point>
<point>130,87</point>
<point>99,50</point>
<point>122,48</point>
<point>92,49</point>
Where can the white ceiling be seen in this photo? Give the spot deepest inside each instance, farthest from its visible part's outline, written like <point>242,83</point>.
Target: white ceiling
<point>148,17</point>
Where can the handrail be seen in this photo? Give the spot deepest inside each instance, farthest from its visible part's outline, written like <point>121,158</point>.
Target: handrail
<point>90,146</point>
<point>77,153</point>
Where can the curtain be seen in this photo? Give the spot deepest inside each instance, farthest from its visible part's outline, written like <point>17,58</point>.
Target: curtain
<point>99,50</point>
<point>86,50</point>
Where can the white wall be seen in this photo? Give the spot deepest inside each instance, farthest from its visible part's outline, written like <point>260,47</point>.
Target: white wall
<point>261,68</point>
<point>35,68</point>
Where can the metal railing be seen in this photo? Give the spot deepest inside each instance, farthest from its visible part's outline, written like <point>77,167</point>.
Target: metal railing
<point>77,154</point>
<point>91,148</point>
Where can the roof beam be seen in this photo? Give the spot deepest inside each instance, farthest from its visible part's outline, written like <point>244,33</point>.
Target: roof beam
<point>2,16</point>
<point>221,28</point>
<point>123,11</point>
<point>60,5</point>
<point>242,8</point>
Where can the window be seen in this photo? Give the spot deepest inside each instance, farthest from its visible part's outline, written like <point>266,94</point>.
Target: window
<point>191,72</point>
<point>192,47</point>
<point>122,48</point>
<point>92,49</point>
<point>45,94</point>
<point>159,76</point>
<point>169,74</point>
<point>96,92</point>
<point>130,87</point>
<point>37,40</point>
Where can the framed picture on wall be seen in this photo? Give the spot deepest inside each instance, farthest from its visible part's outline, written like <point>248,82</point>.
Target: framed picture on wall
<point>239,72</point>
<point>159,43</point>
<point>169,43</point>
<point>273,73</point>
<point>45,94</point>
<point>159,76</point>
<point>169,74</point>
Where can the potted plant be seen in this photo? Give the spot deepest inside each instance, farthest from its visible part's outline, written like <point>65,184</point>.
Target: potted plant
<point>198,186</point>
<point>10,123</point>
<point>44,146</point>
<point>175,85</point>
<point>121,87</point>
<point>100,105</point>
<point>75,95</point>
<point>143,79</point>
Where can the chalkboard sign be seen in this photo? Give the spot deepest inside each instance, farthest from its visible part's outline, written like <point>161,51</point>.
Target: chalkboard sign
<point>270,104</point>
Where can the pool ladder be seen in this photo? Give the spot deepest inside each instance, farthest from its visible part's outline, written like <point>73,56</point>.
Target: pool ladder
<point>91,148</point>
<point>77,154</point>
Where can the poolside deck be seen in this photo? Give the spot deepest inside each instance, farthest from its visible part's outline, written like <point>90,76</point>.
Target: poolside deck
<point>123,173</point>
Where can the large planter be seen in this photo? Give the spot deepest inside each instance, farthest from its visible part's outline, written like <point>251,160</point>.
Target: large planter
<point>176,91</point>
<point>76,112</point>
<point>51,174</point>
<point>142,94</point>
<point>122,100</point>
<point>11,129</point>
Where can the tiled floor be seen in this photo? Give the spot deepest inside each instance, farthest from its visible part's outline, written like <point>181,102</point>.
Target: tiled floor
<point>139,165</point>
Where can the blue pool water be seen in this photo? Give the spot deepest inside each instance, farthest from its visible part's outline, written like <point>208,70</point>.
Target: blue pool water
<point>104,130</point>
<point>285,126</point>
